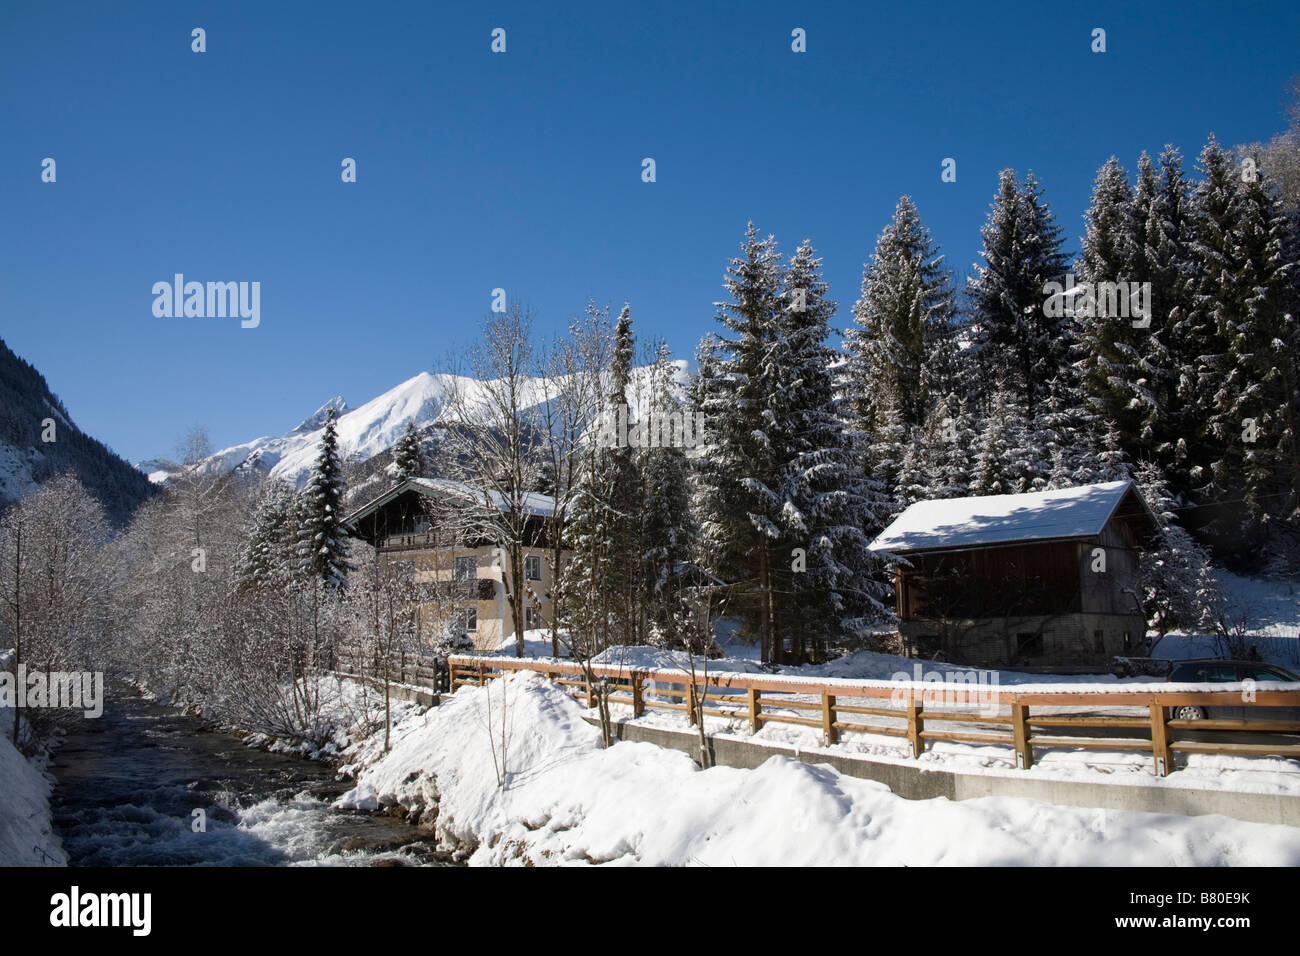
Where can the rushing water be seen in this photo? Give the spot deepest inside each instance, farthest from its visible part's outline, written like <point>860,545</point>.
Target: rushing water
<point>130,781</point>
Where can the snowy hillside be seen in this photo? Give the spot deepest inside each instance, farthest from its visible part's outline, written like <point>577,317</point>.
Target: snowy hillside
<point>364,431</point>
<point>38,440</point>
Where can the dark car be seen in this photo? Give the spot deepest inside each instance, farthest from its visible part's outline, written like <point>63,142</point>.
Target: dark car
<point>1231,672</point>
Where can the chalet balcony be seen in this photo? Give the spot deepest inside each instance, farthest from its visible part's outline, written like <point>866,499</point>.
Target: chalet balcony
<point>474,589</point>
<point>409,541</point>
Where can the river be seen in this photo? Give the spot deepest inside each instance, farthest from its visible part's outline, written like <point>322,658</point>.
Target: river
<point>130,781</point>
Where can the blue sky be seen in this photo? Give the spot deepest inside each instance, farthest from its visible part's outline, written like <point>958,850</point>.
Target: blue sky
<point>522,170</point>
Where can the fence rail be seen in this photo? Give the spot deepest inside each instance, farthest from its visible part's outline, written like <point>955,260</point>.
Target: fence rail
<point>750,697</point>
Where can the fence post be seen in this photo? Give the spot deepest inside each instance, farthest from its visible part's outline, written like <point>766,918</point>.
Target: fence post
<point>1020,731</point>
<point>1161,745</point>
<point>915,725</point>
<point>828,719</point>
<point>482,675</point>
<point>755,708</point>
<point>638,703</point>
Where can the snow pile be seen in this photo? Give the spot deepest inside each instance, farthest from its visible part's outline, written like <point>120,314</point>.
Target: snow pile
<point>450,758</point>
<point>26,838</point>
<point>566,800</point>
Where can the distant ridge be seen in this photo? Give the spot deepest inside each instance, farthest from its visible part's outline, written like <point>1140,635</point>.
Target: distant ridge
<point>26,461</point>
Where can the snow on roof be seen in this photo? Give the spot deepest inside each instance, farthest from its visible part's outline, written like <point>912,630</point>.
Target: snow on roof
<point>995,519</point>
<point>534,503</point>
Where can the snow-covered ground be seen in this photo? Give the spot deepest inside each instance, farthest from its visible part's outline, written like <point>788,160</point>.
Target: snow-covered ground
<point>1269,611</point>
<point>1274,606</point>
<point>567,800</point>
<point>1130,767</point>
<point>26,836</point>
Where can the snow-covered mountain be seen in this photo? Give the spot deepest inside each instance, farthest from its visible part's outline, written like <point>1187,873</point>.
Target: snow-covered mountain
<point>365,431</point>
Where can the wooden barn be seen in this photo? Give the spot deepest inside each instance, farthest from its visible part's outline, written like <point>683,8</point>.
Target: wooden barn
<point>1044,581</point>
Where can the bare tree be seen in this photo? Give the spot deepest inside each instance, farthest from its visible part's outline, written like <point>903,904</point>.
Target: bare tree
<point>495,426</point>
<point>695,613</point>
<point>58,584</point>
<point>571,373</point>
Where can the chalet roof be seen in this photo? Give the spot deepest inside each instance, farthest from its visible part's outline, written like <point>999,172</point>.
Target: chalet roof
<point>1065,513</point>
<point>534,503</point>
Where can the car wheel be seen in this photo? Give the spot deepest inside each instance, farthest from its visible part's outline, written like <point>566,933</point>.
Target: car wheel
<point>1189,712</point>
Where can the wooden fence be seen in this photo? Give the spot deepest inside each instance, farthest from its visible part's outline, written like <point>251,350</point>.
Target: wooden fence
<point>420,670</point>
<point>838,706</point>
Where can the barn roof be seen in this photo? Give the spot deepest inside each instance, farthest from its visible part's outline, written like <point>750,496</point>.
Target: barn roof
<point>1002,519</point>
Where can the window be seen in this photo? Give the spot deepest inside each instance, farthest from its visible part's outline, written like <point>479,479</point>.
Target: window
<point>532,618</point>
<point>533,567</point>
<point>465,568</point>
<point>1211,674</point>
<point>1263,673</point>
<point>467,617</point>
<point>1099,641</point>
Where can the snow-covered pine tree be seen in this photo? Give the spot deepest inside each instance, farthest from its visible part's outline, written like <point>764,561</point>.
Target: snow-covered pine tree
<point>1158,259</point>
<point>884,453</point>
<point>1072,434</point>
<point>1218,304</point>
<point>899,344</point>
<point>915,476</point>
<point>739,469</point>
<point>606,575</point>
<point>322,538</point>
<point>408,459</point>
<point>270,558</point>
<point>1029,456</point>
<point>994,471</point>
<point>953,435</point>
<point>1163,208</point>
<point>1178,588</point>
<point>826,506</point>
<point>1112,463</point>
<point>1017,345</point>
<point>712,487</point>
<point>1108,347</point>
<point>1255,405</point>
<point>667,528</point>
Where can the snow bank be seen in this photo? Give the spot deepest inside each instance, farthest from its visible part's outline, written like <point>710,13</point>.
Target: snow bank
<point>26,836</point>
<point>566,800</point>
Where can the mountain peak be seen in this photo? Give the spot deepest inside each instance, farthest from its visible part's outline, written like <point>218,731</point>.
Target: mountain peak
<point>317,418</point>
